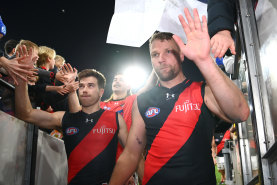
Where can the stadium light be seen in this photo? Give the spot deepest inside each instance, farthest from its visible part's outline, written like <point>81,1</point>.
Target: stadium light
<point>135,76</point>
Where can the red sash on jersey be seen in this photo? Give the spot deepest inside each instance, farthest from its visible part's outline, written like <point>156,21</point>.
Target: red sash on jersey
<point>92,145</point>
<point>220,146</point>
<point>177,127</point>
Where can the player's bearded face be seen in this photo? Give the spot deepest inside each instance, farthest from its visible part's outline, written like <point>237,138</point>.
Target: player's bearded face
<point>166,59</point>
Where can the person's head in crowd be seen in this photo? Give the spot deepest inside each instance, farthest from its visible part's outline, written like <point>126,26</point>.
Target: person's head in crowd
<point>29,44</point>
<point>91,87</point>
<point>10,46</point>
<point>3,30</point>
<point>165,55</point>
<point>46,58</point>
<point>59,61</point>
<point>121,89</point>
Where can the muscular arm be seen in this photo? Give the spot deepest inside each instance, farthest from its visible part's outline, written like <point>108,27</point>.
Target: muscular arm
<point>222,96</point>
<point>24,110</point>
<point>73,102</point>
<point>129,159</point>
<point>123,133</point>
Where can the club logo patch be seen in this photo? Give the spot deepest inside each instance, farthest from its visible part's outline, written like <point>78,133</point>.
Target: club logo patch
<point>71,131</point>
<point>152,112</point>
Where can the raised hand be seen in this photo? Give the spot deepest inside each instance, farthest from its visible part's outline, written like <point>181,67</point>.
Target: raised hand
<point>197,48</point>
<point>62,90</point>
<point>72,86</point>
<point>19,66</point>
<point>69,73</point>
<point>220,42</point>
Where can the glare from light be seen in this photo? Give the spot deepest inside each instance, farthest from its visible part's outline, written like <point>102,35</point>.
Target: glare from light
<point>135,76</point>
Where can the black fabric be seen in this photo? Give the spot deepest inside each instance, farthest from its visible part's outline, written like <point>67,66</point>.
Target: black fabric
<point>221,16</point>
<point>1,53</point>
<point>158,94</point>
<point>99,170</point>
<point>192,164</point>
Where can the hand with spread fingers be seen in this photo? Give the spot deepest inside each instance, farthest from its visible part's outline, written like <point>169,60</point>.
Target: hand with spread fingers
<point>19,66</point>
<point>198,45</point>
<point>69,73</point>
<point>221,42</point>
<point>72,86</point>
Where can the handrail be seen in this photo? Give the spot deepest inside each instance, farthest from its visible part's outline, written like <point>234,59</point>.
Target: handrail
<point>7,84</point>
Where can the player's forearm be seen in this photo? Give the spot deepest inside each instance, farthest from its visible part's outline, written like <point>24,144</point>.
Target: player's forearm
<point>227,94</point>
<point>140,169</point>
<point>23,105</point>
<point>73,102</point>
<point>124,169</point>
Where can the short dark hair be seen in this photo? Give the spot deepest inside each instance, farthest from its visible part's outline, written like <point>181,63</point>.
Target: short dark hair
<point>101,80</point>
<point>10,45</point>
<point>160,36</point>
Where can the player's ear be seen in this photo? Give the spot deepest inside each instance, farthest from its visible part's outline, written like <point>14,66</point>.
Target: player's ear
<point>101,92</point>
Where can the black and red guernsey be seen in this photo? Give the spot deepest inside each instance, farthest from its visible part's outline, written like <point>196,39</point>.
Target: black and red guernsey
<point>179,129</point>
<point>90,142</point>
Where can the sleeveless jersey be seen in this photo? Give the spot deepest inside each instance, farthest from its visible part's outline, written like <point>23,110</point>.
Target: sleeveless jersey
<point>179,130</point>
<point>90,142</point>
<point>124,107</point>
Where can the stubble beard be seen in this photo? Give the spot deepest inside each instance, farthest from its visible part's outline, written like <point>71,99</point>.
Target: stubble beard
<point>171,74</point>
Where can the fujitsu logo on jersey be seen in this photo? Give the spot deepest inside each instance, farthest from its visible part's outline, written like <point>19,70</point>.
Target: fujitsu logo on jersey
<point>152,112</point>
<point>71,131</point>
<point>103,130</point>
<point>187,106</point>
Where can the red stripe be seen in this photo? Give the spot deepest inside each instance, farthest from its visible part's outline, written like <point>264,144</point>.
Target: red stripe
<point>220,146</point>
<point>175,131</point>
<point>92,145</point>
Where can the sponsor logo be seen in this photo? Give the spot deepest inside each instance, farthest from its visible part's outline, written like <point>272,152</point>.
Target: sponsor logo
<point>71,131</point>
<point>89,120</point>
<point>187,106</point>
<point>103,130</point>
<point>152,112</point>
<point>169,96</point>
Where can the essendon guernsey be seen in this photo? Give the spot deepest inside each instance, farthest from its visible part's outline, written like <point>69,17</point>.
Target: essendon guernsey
<point>179,130</point>
<point>90,143</point>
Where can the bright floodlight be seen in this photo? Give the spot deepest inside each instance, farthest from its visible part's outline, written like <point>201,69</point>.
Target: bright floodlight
<point>135,76</point>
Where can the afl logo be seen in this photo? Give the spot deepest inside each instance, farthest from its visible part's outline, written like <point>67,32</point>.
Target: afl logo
<point>72,131</point>
<point>152,112</point>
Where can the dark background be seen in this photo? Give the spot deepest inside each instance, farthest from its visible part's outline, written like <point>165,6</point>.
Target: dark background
<point>77,30</point>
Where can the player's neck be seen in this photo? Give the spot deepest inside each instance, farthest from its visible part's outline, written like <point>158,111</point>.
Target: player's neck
<point>91,109</point>
<point>119,95</point>
<point>172,83</point>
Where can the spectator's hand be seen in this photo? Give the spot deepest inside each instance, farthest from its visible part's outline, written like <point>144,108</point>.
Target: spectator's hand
<point>16,69</point>
<point>220,42</point>
<point>197,48</point>
<point>73,86</point>
<point>62,90</point>
<point>32,80</point>
<point>60,76</point>
<point>69,73</point>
